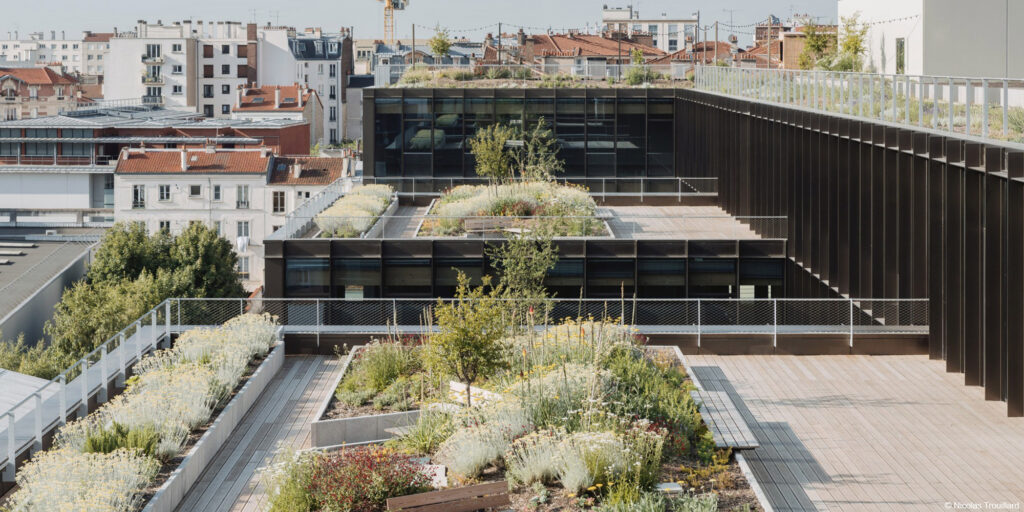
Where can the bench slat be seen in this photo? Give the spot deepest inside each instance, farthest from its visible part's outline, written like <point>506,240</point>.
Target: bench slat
<point>466,504</point>
<point>447,495</point>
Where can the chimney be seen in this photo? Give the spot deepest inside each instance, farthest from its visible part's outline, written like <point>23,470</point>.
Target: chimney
<point>297,169</point>
<point>301,91</point>
<point>53,34</point>
<point>210,147</point>
<point>238,97</point>
<point>277,97</point>
<point>489,40</point>
<point>62,35</point>
<point>263,151</point>
<point>184,160</point>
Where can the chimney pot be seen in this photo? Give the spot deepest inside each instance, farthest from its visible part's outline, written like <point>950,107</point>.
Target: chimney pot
<point>277,97</point>
<point>297,169</point>
<point>184,160</point>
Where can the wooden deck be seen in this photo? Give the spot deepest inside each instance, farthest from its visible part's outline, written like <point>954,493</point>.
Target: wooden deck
<point>280,418</point>
<point>870,433</point>
<point>677,222</point>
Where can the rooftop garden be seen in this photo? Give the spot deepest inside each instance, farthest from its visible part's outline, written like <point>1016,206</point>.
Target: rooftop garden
<point>354,213</point>
<point>576,414</point>
<point>637,75</point>
<point>522,195</point>
<point>115,458</point>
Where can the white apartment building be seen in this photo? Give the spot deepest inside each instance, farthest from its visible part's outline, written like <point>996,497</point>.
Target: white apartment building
<point>244,193</point>
<point>916,37</point>
<point>321,61</point>
<point>185,64</point>
<point>669,34</point>
<point>84,55</point>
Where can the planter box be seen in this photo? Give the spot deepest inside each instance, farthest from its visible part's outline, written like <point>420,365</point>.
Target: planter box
<point>173,491</point>
<point>359,429</point>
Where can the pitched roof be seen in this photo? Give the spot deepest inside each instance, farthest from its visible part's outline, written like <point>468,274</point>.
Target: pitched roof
<point>315,170</point>
<point>703,50</point>
<point>584,45</point>
<point>135,161</point>
<point>37,76</point>
<point>262,98</point>
<point>98,37</point>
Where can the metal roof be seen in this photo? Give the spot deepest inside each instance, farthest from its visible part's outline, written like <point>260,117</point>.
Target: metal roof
<point>131,140</point>
<point>152,118</point>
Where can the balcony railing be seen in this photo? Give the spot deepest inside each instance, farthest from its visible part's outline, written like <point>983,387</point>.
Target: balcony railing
<point>678,187</point>
<point>242,205</point>
<point>37,160</point>
<point>152,59</point>
<point>152,79</point>
<point>991,108</point>
<point>153,100</point>
<point>138,204</point>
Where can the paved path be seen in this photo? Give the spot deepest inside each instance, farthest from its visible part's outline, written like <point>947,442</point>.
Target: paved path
<point>280,418</point>
<point>870,433</point>
<point>685,222</point>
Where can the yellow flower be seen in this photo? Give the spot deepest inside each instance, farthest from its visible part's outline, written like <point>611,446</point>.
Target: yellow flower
<point>591,488</point>
<point>599,486</point>
<point>572,495</point>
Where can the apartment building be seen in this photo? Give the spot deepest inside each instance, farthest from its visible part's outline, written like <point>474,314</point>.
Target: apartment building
<point>244,193</point>
<point>28,93</point>
<point>39,49</point>
<point>320,60</point>
<point>289,102</point>
<point>185,64</point>
<point>667,34</point>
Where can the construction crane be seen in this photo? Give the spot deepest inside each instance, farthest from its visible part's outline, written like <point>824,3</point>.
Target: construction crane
<point>390,6</point>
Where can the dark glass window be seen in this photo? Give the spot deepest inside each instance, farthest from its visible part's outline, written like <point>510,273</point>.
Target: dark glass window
<point>407,277</point>
<point>446,274</point>
<point>307,277</point>
<point>765,276</point>
<point>659,137</point>
<point>712,277</point>
<point>610,278</point>
<point>629,148</point>
<point>509,111</point>
<point>570,129</point>
<point>479,114</point>
<point>661,278</point>
<point>565,279</point>
<point>600,137</point>
<point>448,148</point>
<point>388,128</point>
<point>356,278</point>
<point>537,108</point>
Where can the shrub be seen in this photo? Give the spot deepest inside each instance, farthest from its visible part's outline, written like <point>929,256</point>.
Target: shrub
<point>355,212</point>
<point>458,74</point>
<point>485,435</point>
<point>432,428</point>
<point>644,502</point>
<point>586,458</point>
<point>287,480</point>
<point>694,503</point>
<point>354,398</point>
<point>637,75</point>
<point>141,440</point>
<point>362,479</point>
<point>41,360</point>
<point>531,459</point>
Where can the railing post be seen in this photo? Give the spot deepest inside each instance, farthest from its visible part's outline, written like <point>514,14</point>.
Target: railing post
<point>1006,108</point>
<point>698,325</point>
<point>83,408</point>
<point>167,321</point>
<point>935,103</point>
<point>11,452</point>
<point>241,307</point>
<point>920,101</point>
<point>968,102</point>
<point>102,396</point>
<point>860,94</point>
<point>318,323</point>
<point>63,399</point>
<point>949,98</point>
<point>984,107</point>
<point>37,441</point>
<point>122,373</point>
<point>775,323</point>
<point>851,324</point>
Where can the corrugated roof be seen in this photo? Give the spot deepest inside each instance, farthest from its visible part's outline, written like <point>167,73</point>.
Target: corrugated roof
<point>199,162</point>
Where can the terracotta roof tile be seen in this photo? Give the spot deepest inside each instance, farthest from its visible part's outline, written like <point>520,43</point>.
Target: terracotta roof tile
<point>262,98</point>
<point>98,37</point>
<point>570,45</point>
<point>315,171</point>
<point>199,162</point>
<point>38,76</point>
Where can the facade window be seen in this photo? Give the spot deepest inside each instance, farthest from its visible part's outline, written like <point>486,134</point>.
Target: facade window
<point>164,193</point>
<point>195,190</point>
<point>225,89</point>
<point>175,89</point>
<point>208,110</point>
<point>152,50</point>
<point>306,277</point>
<point>243,267</point>
<point>334,136</point>
<point>278,201</point>
<point>334,92</point>
<point>207,70</point>
<point>165,226</point>
<point>225,109</point>
<point>333,70</point>
<point>208,51</point>
<point>225,49</point>
<point>207,91</point>
<point>334,113</point>
<point>176,47</point>
<point>216,192</point>
<point>176,69</point>
<point>218,227</point>
<point>673,45</point>
<point>242,228</point>
<point>138,196</point>
<point>242,197</point>
<point>225,69</point>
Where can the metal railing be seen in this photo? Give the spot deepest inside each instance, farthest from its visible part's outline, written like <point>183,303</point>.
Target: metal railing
<point>604,224</point>
<point>20,159</point>
<point>599,187</point>
<point>300,220</point>
<point>991,108</point>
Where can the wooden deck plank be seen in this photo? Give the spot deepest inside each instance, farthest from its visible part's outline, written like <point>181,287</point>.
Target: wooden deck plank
<point>878,432</point>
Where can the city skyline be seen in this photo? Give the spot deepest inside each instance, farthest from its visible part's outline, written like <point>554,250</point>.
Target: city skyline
<point>462,17</point>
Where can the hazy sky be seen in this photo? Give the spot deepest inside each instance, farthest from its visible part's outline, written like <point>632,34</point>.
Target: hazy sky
<point>366,16</point>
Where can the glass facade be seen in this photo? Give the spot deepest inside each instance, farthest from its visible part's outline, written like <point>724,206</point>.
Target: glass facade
<point>600,134</point>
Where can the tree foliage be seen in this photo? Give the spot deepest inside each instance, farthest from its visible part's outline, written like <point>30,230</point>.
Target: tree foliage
<point>538,158</point>
<point>493,159</point>
<point>825,49</point>
<point>128,250</point>
<point>470,343</point>
<point>818,45</point>
<point>523,262</point>
<point>204,263</point>
<point>441,43</point>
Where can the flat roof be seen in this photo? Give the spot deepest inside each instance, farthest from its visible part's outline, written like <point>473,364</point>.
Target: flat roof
<point>23,275</point>
<point>138,117</point>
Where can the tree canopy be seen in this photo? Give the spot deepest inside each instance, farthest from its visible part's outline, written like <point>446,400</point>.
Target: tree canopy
<point>493,160</point>
<point>538,158</point>
<point>441,43</point>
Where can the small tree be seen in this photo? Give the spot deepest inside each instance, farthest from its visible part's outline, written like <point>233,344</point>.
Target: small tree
<point>205,263</point>
<point>852,45</point>
<point>636,55</point>
<point>523,262</point>
<point>471,328</point>
<point>818,44</point>
<point>441,43</point>
<point>126,251</point>
<point>538,158</point>
<point>493,160</point>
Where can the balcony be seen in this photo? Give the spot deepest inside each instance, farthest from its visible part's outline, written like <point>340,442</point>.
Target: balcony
<point>242,205</point>
<point>138,204</point>
<point>152,59</point>
<point>153,100</point>
<point>152,79</point>
<point>37,160</point>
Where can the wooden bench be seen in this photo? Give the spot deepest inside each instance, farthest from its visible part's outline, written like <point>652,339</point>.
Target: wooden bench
<point>724,421</point>
<point>461,499</point>
<point>488,224</point>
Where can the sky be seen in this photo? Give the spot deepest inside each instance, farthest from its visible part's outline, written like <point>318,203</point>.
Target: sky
<point>366,16</point>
